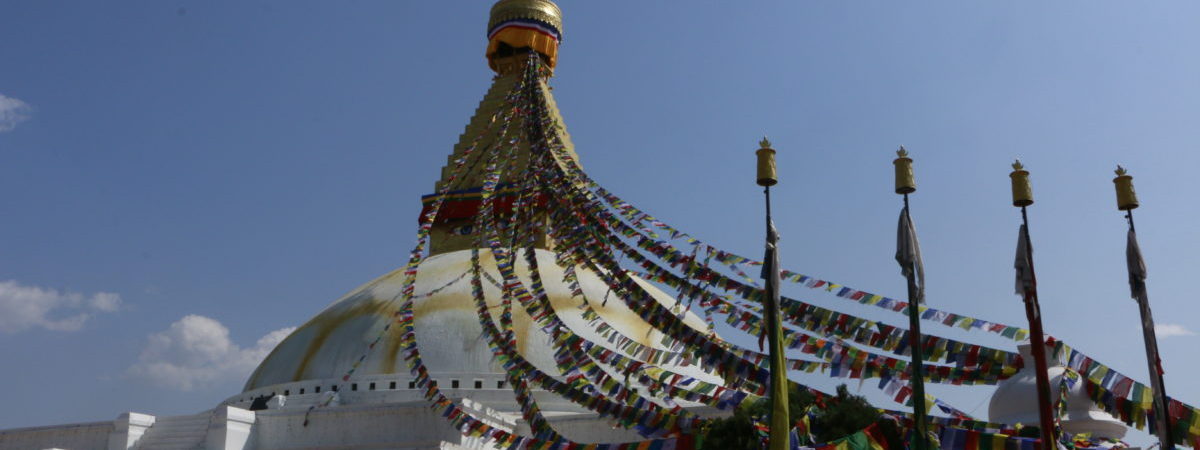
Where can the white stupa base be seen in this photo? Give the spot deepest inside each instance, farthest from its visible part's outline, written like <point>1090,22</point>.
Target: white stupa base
<point>406,425</point>
<point>1015,401</point>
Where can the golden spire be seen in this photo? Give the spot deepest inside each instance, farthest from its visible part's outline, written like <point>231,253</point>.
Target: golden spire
<point>539,23</point>
<point>516,26</point>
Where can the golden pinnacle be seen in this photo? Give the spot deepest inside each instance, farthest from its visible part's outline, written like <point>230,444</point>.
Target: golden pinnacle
<point>766,163</point>
<point>905,184</point>
<point>1126,196</point>
<point>1022,192</point>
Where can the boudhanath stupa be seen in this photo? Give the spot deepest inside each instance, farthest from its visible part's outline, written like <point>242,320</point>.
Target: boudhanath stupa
<point>540,309</point>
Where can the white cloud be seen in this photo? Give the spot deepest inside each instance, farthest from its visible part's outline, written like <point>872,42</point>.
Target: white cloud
<point>12,112</point>
<point>196,351</point>
<point>25,307</point>
<point>1164,330</point>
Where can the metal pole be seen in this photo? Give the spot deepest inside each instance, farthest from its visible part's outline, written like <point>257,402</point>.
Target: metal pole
<point>1161,413</point>
<point>779,421</point>
<point>920,417</point>
<point>1038,341</point>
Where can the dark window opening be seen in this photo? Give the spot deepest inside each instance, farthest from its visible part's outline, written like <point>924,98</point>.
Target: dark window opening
<point>412,384</point>
<point>354,386</point>
<point>453,384</point>
<point>505,50</point>
<point>371,387</point>
<point>478,384</point>
<point>301,390</point>
<point>287,392</point>
<point>318,389</point>
<point>499,384</point>
<point>392,385</point>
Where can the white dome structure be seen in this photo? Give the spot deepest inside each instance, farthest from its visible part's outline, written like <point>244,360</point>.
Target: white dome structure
<point>447,329</point>
<point>380,404</point>
<point>1015,401</point>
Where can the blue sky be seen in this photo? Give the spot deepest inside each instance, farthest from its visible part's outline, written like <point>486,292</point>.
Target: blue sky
<point>248,162</point>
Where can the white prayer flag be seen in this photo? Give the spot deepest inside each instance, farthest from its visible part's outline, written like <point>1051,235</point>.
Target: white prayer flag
<point>1137,267</point>
<point>908,254</point>
<point>1023,263</point>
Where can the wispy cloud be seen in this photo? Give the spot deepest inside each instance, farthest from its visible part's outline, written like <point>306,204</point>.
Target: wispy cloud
<point>26,307</point>
<point>1164,330</point>
<point>12,112</point>
<point>196,351</point>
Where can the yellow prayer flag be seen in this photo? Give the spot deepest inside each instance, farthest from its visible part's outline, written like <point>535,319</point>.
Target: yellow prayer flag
<point>966,323</point>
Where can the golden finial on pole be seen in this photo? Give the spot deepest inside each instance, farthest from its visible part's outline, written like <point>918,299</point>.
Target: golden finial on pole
<point>905,184</point>
<point>1126,197</point>
<point>766,163</point>
<point>1022,192</point>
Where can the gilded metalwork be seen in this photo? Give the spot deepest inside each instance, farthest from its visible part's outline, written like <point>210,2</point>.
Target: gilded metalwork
<point>905,183</point>
<point>766,163</point>
<point>519,38</point>
<point>543,11</point>
<point>540,10</point>
<point>1022,192</point>
<point>443,239</point>
<point>1126,196</point>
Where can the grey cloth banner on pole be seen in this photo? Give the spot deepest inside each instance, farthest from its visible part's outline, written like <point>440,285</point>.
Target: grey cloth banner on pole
<point>770,268</point>
<point>1025,278</point>
<point>908,254</point>
<point>1137,267</point>
<point>770,273</point>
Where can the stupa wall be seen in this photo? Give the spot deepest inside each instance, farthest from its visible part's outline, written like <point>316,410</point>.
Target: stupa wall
<point>408,425</point>
<point>80,436</point>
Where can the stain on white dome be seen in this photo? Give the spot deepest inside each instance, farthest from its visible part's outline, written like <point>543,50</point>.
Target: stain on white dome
<point>446,324</point>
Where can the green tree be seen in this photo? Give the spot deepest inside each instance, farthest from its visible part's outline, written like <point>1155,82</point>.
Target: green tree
<point>841,416</point>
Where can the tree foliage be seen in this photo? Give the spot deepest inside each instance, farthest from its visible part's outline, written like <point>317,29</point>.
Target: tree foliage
<point>834,417</point>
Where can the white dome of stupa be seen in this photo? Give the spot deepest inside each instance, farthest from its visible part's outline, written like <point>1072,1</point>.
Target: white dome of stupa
<point>447,328</point>
<point>1015,401</point>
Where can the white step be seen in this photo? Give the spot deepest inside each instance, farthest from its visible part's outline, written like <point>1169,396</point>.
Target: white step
<point>176,433</point>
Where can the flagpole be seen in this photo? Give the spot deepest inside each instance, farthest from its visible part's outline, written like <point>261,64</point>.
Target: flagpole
<point>906,184</point>
<point>1023,197</point>
<point>1127,201</point>
<point>780,418</point>
<point>920,411</point>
